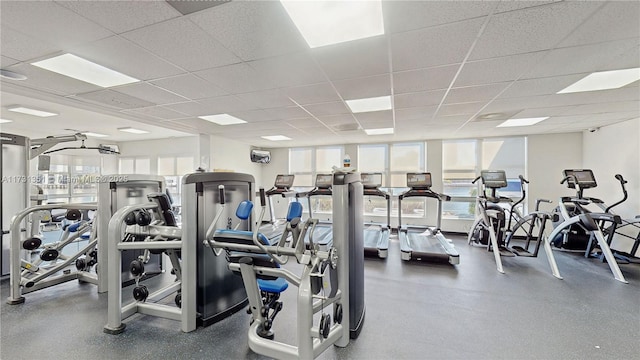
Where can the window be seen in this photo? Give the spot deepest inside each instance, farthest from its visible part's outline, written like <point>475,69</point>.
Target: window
<point>134,166</point>
<point>126,166</point>
<point>306,163</point>
<point>70,178</point>
<point>301,165</point>
<point>462,161</point>
<point>394,161</point>
<point>173,169</point>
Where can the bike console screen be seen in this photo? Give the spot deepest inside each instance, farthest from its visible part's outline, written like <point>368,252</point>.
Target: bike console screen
<point>494,179</point>
<point>284,181</point>
<point>419,180</point>
<point>584,177</point>
<point>324,181</point>
<point>371,180</point>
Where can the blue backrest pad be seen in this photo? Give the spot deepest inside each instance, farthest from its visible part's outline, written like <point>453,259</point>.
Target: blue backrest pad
<point>295,210</point>
<point>244,209</point>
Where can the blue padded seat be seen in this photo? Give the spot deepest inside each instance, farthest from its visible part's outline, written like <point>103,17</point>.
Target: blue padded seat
<point>85,236</point>
<point>273,286</point>
<point>295,211</point>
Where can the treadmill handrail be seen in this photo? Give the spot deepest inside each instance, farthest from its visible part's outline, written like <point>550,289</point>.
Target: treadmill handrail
<point>427,193</point>
<point>384,194</point>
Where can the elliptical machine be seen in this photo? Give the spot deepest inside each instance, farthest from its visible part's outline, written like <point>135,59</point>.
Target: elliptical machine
<point>576,219</point>
<point>493,228</point>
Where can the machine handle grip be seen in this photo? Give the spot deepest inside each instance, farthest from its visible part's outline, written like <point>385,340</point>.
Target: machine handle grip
<point>476,179</point>
<point>263,198</point>
<point>522,179</point>
<point>621,179</point>
<point>221,194</point>
<point>569,177</point>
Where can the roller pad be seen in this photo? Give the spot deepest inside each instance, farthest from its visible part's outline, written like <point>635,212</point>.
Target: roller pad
<point>74,227</point>
<point>273,286</point>
<point>244,210</point>
<point>295,211</point>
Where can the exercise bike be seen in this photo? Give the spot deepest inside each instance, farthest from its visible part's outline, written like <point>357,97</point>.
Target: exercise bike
<point>493,226</point>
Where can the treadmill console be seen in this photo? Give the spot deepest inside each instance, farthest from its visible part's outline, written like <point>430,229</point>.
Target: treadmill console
<point>585,178</point>
<point>419,181</point>
<point>324,181</point>
<point>494,179</point>
<point>284,181</point>
<point>371,180</point>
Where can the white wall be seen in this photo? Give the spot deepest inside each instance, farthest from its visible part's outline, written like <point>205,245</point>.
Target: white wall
<point>547,156</point>
<point>233,155</point>
<point>615,149</point>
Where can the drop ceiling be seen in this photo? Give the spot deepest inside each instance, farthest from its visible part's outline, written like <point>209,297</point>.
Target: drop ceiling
<point>444,64</point>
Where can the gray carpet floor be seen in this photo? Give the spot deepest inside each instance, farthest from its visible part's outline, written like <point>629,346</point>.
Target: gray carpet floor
<point>413,311</point>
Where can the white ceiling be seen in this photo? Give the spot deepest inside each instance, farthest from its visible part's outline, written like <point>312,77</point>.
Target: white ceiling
<point>443,62</point>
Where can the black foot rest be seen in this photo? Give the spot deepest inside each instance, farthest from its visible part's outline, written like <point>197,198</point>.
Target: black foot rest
<point>505,252</point>
<point>520,251</point>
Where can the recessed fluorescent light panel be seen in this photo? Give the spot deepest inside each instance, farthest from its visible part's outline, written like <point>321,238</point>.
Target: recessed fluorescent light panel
<point>133,131</point>
<point>92,134</point>
<point>222,119</point>
<point>382,131</point>
<point>604,80</point>
<point>84,70</point>
<point>369,104</point>
<point>29,111</point>
<point>4,121</point>
<point>522,122</point>
<point>331,22</point>
<point>276,137</point>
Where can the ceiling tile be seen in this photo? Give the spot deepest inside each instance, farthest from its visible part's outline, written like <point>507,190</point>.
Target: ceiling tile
<point>51,82</point>
<point>50,22</point>
<point>312,94</point>
<point>305,123</point>
<point>541,86</point>
<point>7,61</point>
<point>158,112</point>
<point>460,109</point>
<point>332,120</point>
<point>237,78</point>
<point>375,117</point>
<point>150,93</point>
<point>415,113</point>
<point>616,20</point>
<point>199,125</point>
<point>365,87</point>
<point>23,47</point>
<point>531,29</point>
<point>121,16</point>
<point>113,99</point>
<point>254,115</point>
<point>630,59</point>
<point>591,109</point>
<point>122,55</point>
<point>505,6</point>
<point>422,98</point>
<point>290,70</point>
<point>288,113</point>
<point>190,86</point>
<point>451,120</point>
<point>581,59</point>
<point>252,30</point>
<point>402,16</point>
<point>331,108</point>
<point>474,93</point>
<point>318,130</point>
<point>424,79</point>
<point>441,45</point>
<point>507,68</point>
<point>365,57</point>
<point>266,99</point>
<point>182,43</point>
<point>223,104</point>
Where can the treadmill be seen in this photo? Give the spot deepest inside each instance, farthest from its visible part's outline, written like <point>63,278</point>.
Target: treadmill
<point>282,187</point>
<point>376,236</point>
<point>424,242</point>
<point>323,234</point>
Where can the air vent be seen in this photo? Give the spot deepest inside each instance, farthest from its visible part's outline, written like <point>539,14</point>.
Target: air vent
<point>497,116</point>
